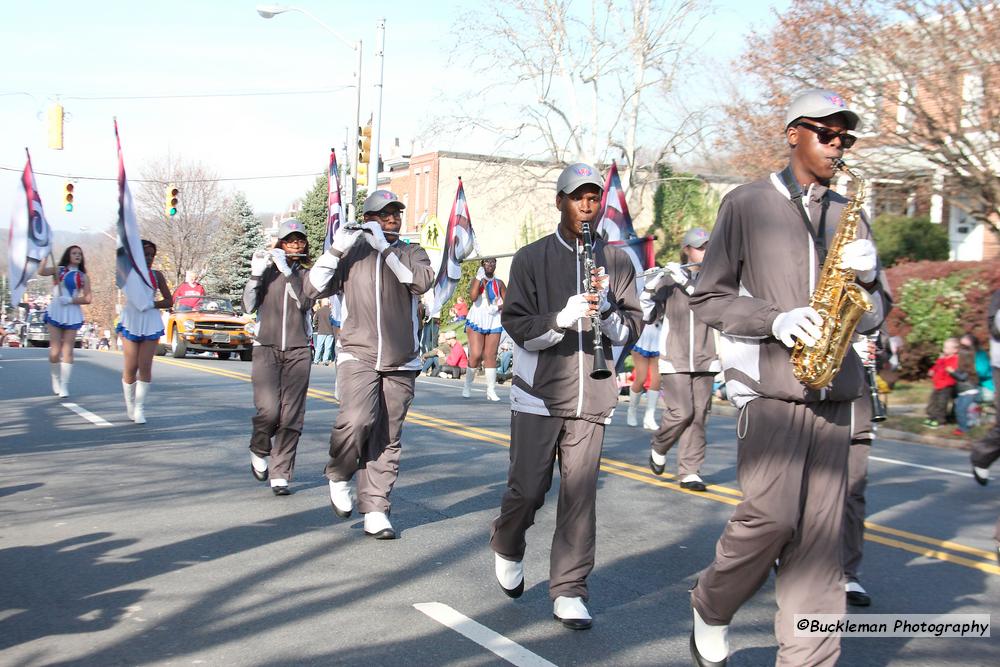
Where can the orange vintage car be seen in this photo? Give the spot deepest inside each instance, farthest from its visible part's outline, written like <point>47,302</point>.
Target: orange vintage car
<point>207,324</point>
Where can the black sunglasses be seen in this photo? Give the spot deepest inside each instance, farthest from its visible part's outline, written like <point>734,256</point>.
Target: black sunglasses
<point>826,135</point>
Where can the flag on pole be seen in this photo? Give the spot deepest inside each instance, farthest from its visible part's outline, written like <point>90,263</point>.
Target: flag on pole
<point>615,222</point>
<point>132,275</point>
<point>334,207</point>
<point>459,242</point>
<point>640,250</point>
<point>30,238</point>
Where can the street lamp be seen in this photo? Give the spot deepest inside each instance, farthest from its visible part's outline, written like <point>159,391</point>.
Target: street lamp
<point>270,11</point>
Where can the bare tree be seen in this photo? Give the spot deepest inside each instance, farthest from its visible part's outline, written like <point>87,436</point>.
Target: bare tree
<point>585,82</point>
<point>184,241</point>
<point>924,72</point>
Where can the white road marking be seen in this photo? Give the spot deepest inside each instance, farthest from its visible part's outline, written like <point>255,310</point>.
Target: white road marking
<point>494,642</point>
<point>87,414</point>
<point>917,465</point>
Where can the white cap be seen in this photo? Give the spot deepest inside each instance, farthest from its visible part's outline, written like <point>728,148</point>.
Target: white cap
<point>819,103</point>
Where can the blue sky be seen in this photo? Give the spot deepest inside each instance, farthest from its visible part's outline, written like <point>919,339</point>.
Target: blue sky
<point>73,50</point>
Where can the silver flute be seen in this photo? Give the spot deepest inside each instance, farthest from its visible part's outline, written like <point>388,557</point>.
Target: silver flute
<point>657,269</point>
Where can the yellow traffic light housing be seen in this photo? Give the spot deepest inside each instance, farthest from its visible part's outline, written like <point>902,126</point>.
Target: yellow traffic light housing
<point>55,123</point>
<point>364,144</point>
<point>170,205</point>
<point>68,197</point>
<point>363,175</point>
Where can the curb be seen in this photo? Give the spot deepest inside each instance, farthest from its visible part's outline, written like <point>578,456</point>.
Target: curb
<point>728,410</point>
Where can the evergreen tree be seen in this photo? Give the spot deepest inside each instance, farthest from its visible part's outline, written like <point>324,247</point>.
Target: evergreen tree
<point>240,234</point>
<point>681,201</point>
<point>313,215</point>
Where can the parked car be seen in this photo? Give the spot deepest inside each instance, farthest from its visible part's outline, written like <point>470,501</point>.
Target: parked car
<point>35,332</point>
<point>207,324</point>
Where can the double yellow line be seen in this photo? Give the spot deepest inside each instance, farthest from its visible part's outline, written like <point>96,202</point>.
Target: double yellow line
<point>929,547</point>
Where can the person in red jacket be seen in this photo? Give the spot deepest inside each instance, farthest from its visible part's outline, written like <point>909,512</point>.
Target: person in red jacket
<point>944,384</point>
<point>456,362</point>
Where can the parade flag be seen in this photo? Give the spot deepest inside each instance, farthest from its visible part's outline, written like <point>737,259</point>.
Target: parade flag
<point>131,273</point>
<point>640,250</point>
<point>30,238</point>
<point>334,206</point>
<point>615,222</point>
<point>459,242</point>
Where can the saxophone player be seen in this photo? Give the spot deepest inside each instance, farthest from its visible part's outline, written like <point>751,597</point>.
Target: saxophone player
<point>764,260</point>
<point>558,409</point>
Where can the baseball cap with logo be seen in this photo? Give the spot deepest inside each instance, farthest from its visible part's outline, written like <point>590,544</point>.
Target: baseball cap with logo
<point>695,237</point>
<point>379,199</point>
<point>819,103</point>
<point>576,175</point>
<point>291,226</point>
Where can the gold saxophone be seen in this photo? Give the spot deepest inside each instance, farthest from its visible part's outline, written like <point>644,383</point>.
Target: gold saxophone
<point>837,299</point>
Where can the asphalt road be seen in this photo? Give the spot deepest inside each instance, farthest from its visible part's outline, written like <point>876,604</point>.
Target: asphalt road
<point>123,544</point>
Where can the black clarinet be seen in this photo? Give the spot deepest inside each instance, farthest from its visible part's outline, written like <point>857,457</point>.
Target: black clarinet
<point>601,370</point>
<point>878,408</point>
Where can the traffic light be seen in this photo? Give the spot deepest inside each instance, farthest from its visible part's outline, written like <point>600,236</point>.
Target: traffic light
<point>68,197</point>
<point>170,204</point>
<point>364,152</point>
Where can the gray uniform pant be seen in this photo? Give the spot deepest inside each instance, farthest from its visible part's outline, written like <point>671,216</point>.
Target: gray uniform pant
<point>280,382</point>
<point>535,441</point>
<point>688,397</point>
<point>366,434</point>
<point>987,450</point>
<point>791,465</point>
<point>857,482</point>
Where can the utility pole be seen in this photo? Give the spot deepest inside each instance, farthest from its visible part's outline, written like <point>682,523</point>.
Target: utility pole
<point>377,115</point>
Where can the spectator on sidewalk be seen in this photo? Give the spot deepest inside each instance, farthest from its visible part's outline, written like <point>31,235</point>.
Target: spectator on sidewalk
<point>967,383</point>
<point>944,384</point>
<point>457,361</point>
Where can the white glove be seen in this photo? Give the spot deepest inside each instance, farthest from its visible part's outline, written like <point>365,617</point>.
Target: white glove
<point>258,263</point>
<point>65,300</point>
<point>860,256</point>
<point>344,239</point>
<point>802,323</point>
<point>675,271</point>
<point>481,274</point>
<point>653,281</point>
<point>577,307</point>
<point>281,261</point>
<point>375,236</point>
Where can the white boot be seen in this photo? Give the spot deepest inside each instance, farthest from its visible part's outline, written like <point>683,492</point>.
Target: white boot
<point>491,385</point>
<point>649,421</point>
<point>65,370</point>
<point>129,391</point>
<point>470,375</point>
<point>571,612</point>
<point>139,414</point>
<point>711,641</point>
<point>632,419</point>
<point>340,498</point>
<point>54,372</point>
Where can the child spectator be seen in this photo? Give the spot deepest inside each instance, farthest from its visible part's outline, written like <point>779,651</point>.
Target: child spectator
<point>967,383</point>
<point>944,383</point>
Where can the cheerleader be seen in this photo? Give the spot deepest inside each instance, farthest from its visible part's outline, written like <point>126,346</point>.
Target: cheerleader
<point>64,317</point>
<point>141,327</point>
<point>644,361</point>
<point>482,325</point>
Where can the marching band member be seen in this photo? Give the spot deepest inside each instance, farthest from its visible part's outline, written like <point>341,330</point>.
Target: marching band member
<point>762,264</point>
<point>986,451</point>
<point>64,317</point>
<point>281,354</point>
<point>482,325</point>
<point>687,363</point>
<point>557,410</point>
<point>381,280</point>
<point>644,356</point>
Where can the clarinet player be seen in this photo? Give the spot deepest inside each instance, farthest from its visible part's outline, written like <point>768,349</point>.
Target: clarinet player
<point>557,408</point>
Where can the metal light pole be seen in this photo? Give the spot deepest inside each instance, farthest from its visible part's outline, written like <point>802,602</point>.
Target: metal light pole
<point>377,115</point>
<point>270,11</point>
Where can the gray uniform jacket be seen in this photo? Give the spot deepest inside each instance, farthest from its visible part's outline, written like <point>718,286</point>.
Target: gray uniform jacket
<point>283,310</point>
<point>686,345</point>
<point>762,262</point>
<point>380,294</point>
<point>552,365</point>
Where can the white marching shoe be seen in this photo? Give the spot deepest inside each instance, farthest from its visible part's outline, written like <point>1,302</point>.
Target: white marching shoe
<point>470,375</point>
<point>491,385</point>
<point>377,525</point>
<point>65,370</point>
<point>709,643</point>
<point>129,391</point>
<point>510,575</point>
<point>649,421</point>
<point>632,418</point>
<point>340,499</point>
<point>139,412</point>
<point>571,612</point>
<point>54,371</point>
